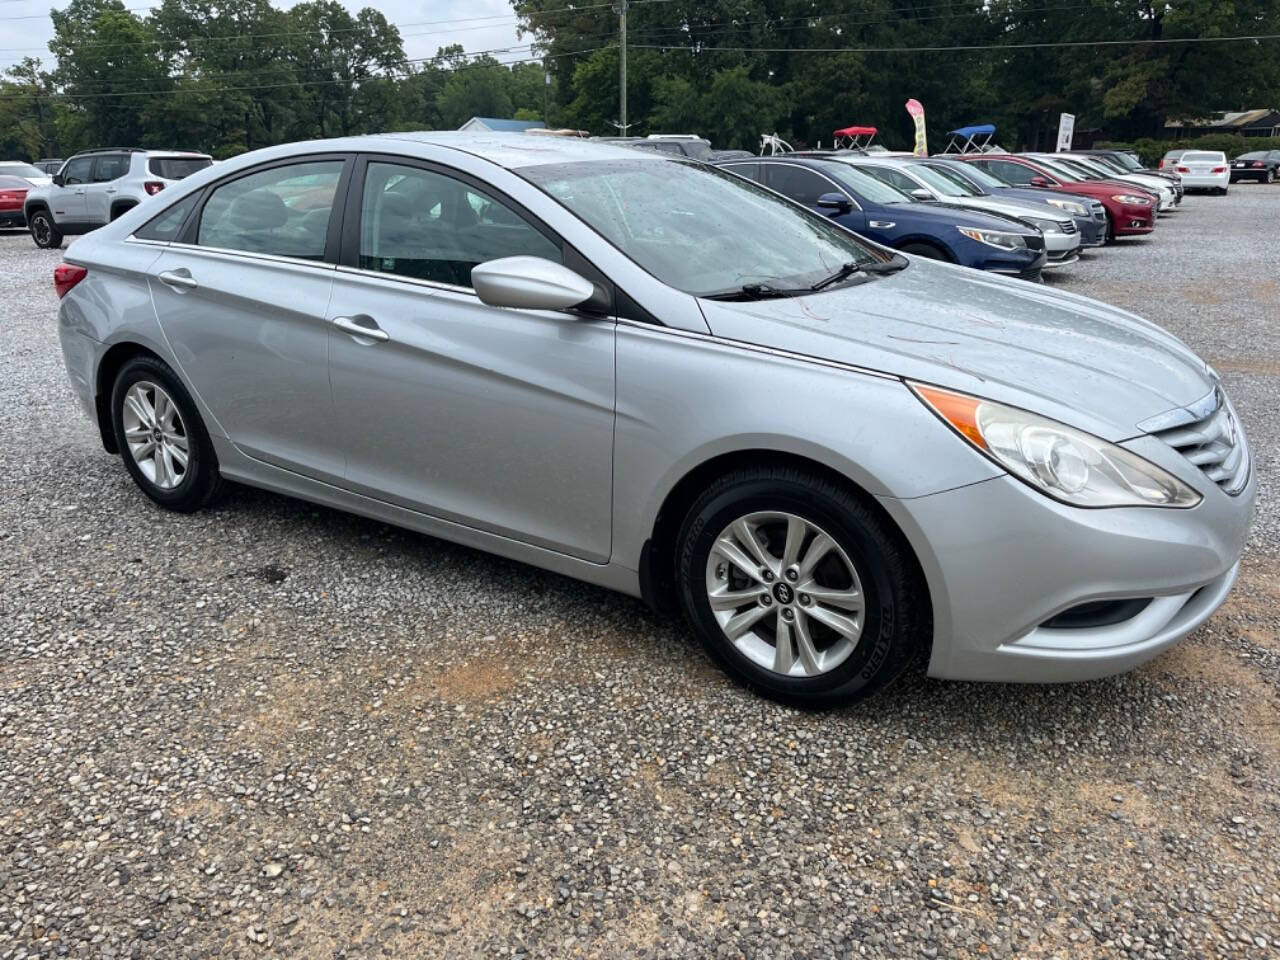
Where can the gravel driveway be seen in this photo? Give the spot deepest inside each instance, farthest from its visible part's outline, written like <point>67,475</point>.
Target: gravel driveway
<point>272,730</point>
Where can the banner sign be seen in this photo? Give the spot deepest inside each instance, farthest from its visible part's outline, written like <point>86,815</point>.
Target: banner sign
<point>917,114</point>
<point>1066,129</point>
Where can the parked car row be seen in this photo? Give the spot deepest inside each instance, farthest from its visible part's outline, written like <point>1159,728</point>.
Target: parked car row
<point>1017,214</point>
<point>90,189</point>
<point>664,378</point>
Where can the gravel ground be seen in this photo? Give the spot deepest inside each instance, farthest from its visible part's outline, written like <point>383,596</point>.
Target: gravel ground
<point>274,730</point>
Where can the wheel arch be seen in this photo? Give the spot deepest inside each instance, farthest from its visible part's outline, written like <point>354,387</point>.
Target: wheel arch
<point>924,240</point>
<point>120,207</point>
<point>658,555</point>
<point>105,377</point>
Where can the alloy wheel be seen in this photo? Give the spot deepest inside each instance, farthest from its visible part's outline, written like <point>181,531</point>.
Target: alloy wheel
<point>785,594</point>
<point>40,228</point>
<point>156,435</point>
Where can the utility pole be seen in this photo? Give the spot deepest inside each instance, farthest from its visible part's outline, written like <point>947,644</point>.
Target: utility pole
<point>622,67</point>
<point>546,88</point>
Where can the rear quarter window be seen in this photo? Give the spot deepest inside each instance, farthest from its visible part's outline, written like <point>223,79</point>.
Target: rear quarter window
<point>175,168</point>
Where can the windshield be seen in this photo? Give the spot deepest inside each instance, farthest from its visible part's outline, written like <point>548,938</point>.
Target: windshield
<point>700,229</point>
<point>863,185</point>
<point>22,170</point>
<point>1124,161</point>
<point>1060,170</point>
<point>943,184</point>
<point>972,173</point>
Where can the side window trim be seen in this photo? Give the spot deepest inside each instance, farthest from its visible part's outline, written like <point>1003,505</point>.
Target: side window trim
<point>187,236</point>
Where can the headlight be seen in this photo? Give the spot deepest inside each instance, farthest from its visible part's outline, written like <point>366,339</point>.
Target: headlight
<point>1066,464</point>
<point>1133,199</point>
<point>1045,226</point>
<point>995,238</point>
<point>1071,207</point>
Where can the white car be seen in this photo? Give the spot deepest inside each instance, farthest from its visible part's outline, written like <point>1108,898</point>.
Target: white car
<point>28,172</point>
<point>1204,170</point>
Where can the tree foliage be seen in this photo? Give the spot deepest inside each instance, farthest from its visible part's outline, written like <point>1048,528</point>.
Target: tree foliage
<point>231,75</point>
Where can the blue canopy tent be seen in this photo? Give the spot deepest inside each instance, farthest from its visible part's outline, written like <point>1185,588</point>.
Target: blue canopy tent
<point>975,138</point>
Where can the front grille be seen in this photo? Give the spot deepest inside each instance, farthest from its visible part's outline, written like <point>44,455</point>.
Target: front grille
<point>1099,212</point>
<point>1215,444</point>
<point>1067,226</point>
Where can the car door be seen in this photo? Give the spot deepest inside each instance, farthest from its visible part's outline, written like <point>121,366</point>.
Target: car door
<point>496,419</point>
<point>102,188</point>
<point>242,299</point>
<point>68,200</point>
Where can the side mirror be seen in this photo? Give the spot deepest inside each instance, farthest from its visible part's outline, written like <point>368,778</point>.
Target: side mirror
<point>1040,182</point>
<point>529,283</point>
<point>920,193</point>
<point>835,202</point>
<point>58,181</point>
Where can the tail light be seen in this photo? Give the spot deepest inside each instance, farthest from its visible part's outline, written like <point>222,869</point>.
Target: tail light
<point>14,195</point>
<point>1258,163</point>
<point>66,276</point>
<point>152,187</point>
<point>1184,169</point>
<point>1218,170</point>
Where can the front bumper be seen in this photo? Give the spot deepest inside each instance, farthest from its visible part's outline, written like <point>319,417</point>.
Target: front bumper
<point>1017,268</point>
<point>1001,559</point>
<point>1133,220</point>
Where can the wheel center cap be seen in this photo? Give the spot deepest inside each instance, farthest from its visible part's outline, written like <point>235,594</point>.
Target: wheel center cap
<point>783,593</point>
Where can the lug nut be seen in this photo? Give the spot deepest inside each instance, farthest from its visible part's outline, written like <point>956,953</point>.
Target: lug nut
<point>766,600</point>
<point>793,574</point>
<point>768,576</point>
<point>787,614</point>
<point>804,600</point>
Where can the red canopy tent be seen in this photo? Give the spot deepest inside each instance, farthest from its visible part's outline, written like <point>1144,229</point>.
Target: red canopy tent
<point>854,136</point>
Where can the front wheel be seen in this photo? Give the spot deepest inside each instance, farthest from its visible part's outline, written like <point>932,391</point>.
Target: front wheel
<point>797,589</point>
<point>161,437</point>
<point>1271,176</point>
<point>43,231</point>
<point>924,250</point>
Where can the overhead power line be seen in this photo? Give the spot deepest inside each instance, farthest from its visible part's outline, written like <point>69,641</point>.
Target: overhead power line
<point>957,48</point>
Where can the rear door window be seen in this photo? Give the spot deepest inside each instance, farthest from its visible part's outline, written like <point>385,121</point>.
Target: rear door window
<point>283,211</point>
<point>430,226</point>
<point>110,166</point>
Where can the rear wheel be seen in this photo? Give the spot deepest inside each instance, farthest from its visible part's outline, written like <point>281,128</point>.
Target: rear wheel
<point>161,437</point>
<point>43,231</point>
<point>1271,176</point>
<point>797,589</point>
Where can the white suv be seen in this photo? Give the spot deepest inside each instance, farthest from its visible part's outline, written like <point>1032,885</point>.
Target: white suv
<point>96,186</point>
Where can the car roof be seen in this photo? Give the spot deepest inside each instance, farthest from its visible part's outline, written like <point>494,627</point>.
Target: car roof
<point>512,150</point>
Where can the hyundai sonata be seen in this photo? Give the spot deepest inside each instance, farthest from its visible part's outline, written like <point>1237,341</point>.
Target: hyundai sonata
<point>663,378</point>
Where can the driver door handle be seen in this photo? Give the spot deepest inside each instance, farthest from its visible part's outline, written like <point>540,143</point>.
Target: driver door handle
<point>178,278</point>
<point>366,329</point>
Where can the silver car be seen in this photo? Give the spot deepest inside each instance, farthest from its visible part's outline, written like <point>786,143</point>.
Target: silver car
<point>659,377</point>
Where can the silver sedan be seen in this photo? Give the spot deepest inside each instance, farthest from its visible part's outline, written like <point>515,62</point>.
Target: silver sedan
<point>655,376</point>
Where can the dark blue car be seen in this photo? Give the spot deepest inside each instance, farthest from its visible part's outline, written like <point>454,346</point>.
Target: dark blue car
<point>1089,214</point>
<point>886,215</point>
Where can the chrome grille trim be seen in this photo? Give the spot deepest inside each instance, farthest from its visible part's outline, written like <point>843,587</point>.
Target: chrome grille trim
<point>1214,443</point>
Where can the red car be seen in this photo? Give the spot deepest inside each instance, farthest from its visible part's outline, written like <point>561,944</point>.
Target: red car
<point>13,191</point>
<point>1131,211</point>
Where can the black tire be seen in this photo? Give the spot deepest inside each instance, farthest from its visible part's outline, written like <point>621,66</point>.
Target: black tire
<point>44,231</point>
<point>926,250</point>
<point>201,482</point>
<point>1271,176</point>
<point>896,615</point>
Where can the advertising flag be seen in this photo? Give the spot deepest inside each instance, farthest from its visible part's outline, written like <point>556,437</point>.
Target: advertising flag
<point>917,114</point>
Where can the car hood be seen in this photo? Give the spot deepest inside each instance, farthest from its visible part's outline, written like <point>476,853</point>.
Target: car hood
<point>948,214</point>
<point>1012,208</point>
<point>1079,361</point>
<point>39,181</point>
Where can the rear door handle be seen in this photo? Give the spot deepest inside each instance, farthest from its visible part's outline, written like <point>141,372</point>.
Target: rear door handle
<point>111,190</point>
<point>362,327</point>
<point>179,278</point>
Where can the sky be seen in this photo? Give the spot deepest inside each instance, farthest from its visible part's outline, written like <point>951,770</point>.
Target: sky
<point>25,29</point>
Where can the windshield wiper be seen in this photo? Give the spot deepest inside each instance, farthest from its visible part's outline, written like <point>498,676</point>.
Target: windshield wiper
<point>765,291</point>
